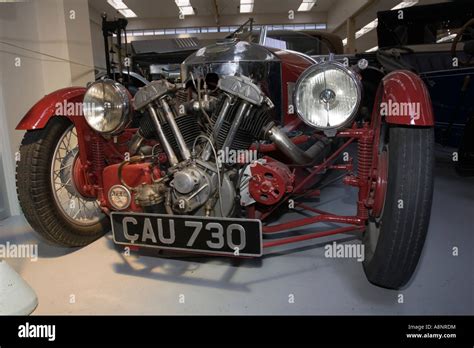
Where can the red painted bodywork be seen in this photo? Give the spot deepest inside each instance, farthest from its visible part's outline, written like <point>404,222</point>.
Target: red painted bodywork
<point>132,174</point>
<point>292,66</point>
<point>79,179</point>
<point>93,147</point>
<point>381,185</point>
<point>38,116</point>
<point>46,108</point>
<point>407,87</point>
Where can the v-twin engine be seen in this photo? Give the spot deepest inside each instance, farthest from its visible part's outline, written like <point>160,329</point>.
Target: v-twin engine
<point>197,142</point>
<point>193,133</point>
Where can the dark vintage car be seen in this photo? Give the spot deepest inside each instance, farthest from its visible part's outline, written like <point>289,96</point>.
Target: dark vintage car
<point>208,165</point>
<point>161,58</point>
<point>437,42</point>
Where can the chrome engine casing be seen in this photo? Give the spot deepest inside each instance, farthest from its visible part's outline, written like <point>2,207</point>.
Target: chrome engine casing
<point>195,190</point>
<point>230,58</point>
<point>191,188</point>
<point>239,58</point>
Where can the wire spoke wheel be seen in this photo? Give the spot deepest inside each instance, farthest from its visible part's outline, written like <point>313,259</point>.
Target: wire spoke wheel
<point>51,187</point>
<point>78,209</point>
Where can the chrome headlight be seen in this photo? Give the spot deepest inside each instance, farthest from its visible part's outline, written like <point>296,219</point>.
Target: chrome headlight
<point>106,107</point>
<point>327,95</point>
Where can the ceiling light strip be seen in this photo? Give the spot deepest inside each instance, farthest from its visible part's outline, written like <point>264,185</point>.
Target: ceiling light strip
<point>185,7</point>
<point>246,6</point>
<point>120,6</point>
<point>306,5</point>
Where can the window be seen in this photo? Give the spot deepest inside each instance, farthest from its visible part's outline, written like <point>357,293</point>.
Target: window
<point>223,29</point>
<point>275,43</point>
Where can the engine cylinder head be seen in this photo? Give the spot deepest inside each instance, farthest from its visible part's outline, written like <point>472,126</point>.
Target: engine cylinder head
<point>250,128</point>
<point>187,124</point>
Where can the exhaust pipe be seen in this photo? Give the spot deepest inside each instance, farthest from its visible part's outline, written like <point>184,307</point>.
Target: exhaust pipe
<point>298,156</point>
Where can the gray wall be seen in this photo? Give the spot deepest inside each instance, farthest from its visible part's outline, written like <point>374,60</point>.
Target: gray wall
<point>63,37</point>
<point>97,39</point>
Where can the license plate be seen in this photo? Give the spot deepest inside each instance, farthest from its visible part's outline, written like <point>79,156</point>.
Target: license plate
<point>213,235</point>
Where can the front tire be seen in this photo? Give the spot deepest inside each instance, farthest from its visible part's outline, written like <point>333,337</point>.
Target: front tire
<point>394,241</point>
<point>37,189</point>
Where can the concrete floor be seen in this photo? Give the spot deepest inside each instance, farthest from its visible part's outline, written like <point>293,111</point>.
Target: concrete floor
<point>102,280</point>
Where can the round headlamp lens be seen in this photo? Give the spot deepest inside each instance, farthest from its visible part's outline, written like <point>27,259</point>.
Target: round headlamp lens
<point>327,96</point>
<point>107,106</point>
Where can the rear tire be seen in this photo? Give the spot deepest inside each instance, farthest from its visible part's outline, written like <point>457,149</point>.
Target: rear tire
<point>393,243</point>
<point>35,190</point>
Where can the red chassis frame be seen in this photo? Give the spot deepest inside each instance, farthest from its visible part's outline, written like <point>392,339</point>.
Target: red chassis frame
<point>370,177</point>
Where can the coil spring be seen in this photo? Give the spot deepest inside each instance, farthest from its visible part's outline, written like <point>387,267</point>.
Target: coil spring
<point>364,159</point>
<point>97,155</point>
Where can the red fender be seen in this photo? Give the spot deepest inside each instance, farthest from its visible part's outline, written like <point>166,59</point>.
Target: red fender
<point>71,100</point>
<point>405,100</point>
<point>38,116</point>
